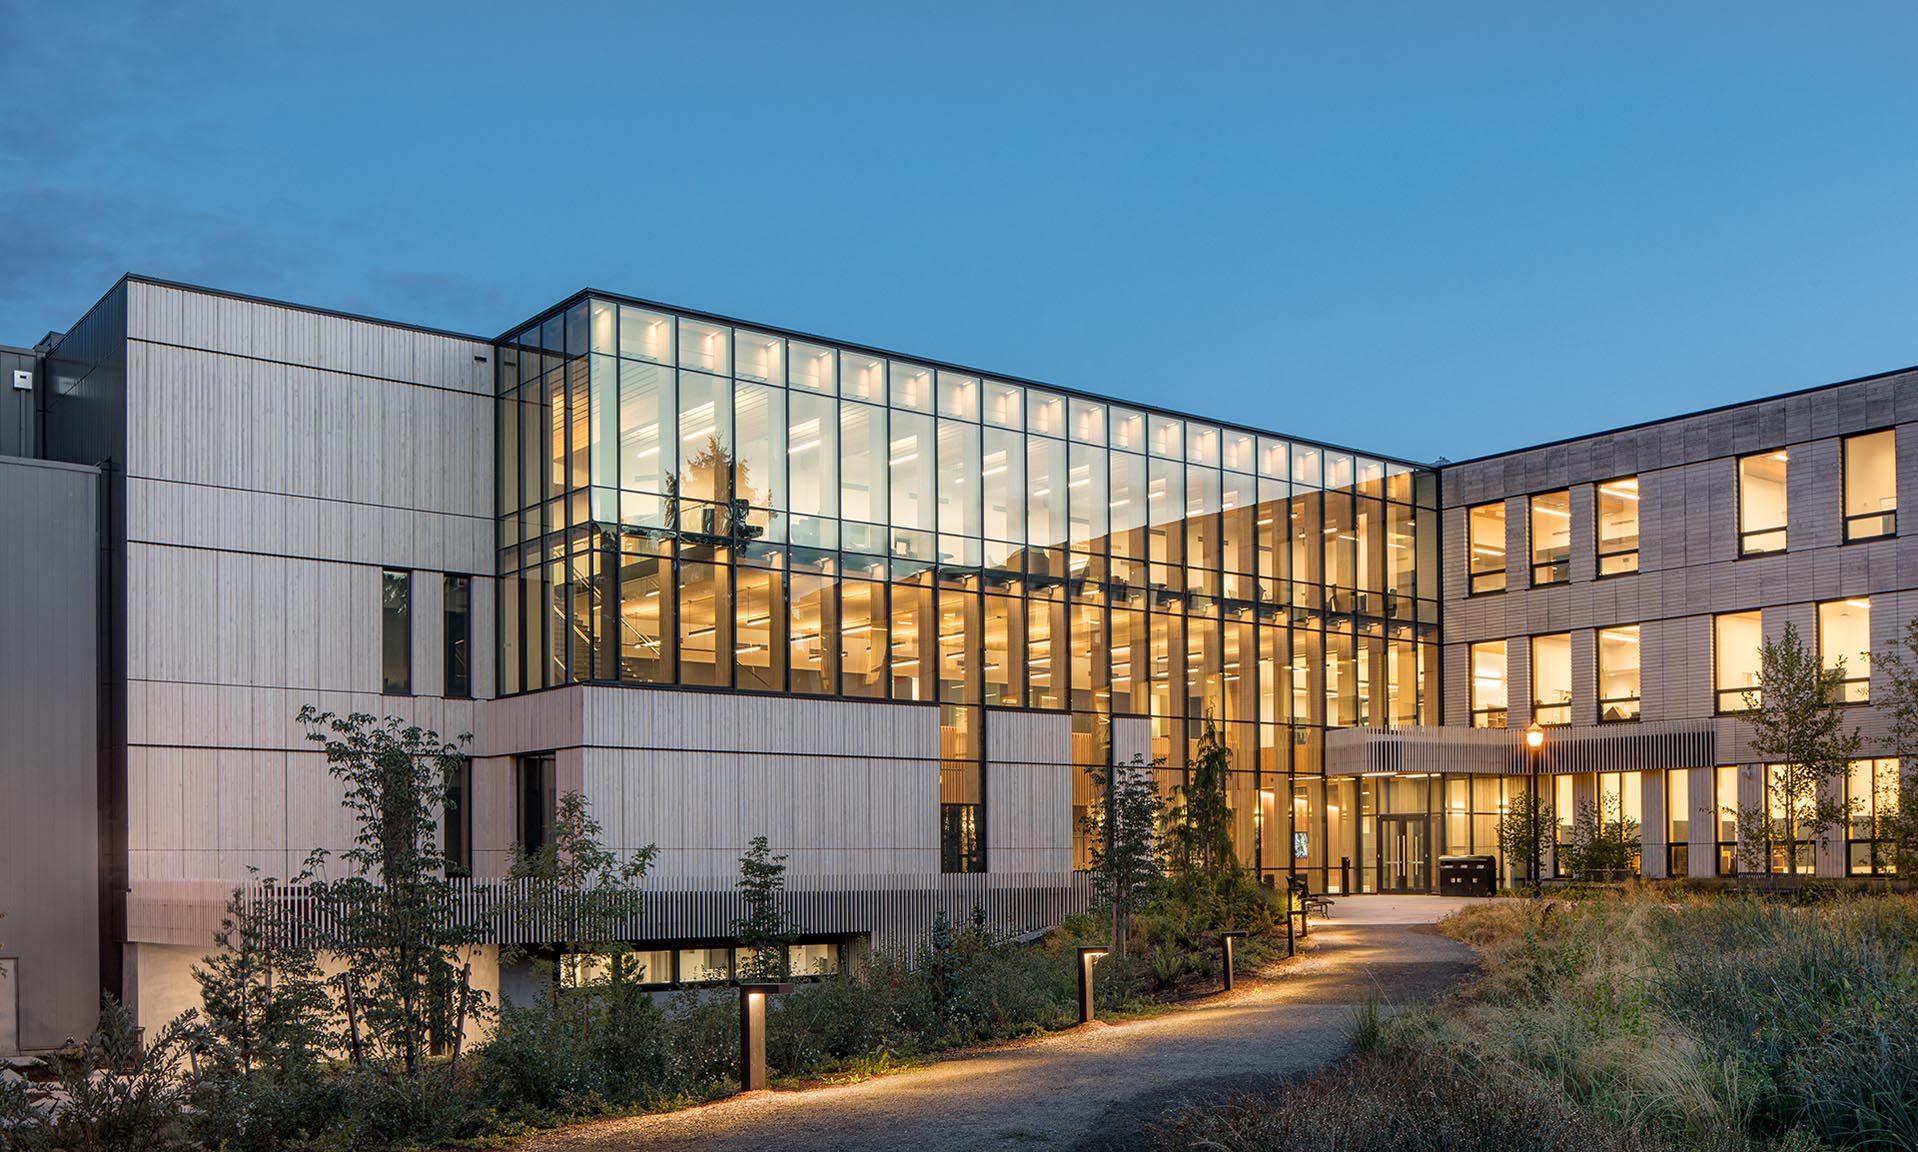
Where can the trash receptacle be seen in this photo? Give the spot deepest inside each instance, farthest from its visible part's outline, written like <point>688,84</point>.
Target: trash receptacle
<point>1468,875</point>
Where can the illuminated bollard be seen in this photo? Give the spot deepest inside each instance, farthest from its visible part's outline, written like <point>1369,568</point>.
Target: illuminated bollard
<point>752,1033</point>
<point>1088,956</point>
<point>1228,941</point>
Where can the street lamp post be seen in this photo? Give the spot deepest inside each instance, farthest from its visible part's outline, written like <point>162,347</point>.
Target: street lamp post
<point>1534,745</point>
<point>1088,956</point>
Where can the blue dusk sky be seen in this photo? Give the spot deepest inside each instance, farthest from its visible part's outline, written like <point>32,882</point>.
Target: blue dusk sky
<point>1421,229</point>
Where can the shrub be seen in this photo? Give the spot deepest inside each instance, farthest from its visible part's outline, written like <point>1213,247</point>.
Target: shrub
<point>1397,1103</point>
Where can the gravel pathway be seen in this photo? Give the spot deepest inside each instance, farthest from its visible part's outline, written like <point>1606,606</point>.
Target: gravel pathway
<point>1094,1087</point>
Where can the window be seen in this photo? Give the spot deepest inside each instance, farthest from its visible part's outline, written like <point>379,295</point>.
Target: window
<point>1844,645</point>
<point>1552,678</point>
<point>1489,701</point>
<point>396,633</point>
<point>457,609</point>
<point>1761,503</point>
<point>537,799</point>
<point>1871,485</point>
<point>1726,806</point>
<point>1552,538</point>
<point>1486,529</point>
<point>456,820</point>
<point>1678,822</point>
<point>1736,640</point>
<point>1871,787</point>
<point>961,842</point>
<point>1618,526</point>
<point>1618,665</point>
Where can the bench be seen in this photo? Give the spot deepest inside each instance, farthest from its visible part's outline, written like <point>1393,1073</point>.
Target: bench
<point>1311,905</point>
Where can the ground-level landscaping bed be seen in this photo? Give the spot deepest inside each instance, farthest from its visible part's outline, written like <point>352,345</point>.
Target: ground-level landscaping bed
<point>1656,1018</point>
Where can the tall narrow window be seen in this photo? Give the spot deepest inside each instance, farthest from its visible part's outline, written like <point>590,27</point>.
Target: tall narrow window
<point>1618,526</point>
<point>1736,640</point>
<point>961,839</point>
<point>1726,805</point>
<point>456,820</point>
<point>1552,678</point>
<point>1678,822</point>
<point>1871,485</point>
<point>1486,545</point>
<point>1761,503</point>
<point>537,800</point>
<point>1871,787</point>
<point>1618,665</point>
<point>396,633</point>
<point>1489,699</point>
<point>1551,538</point>
<point>457,610</point>
<point>1844,645</point>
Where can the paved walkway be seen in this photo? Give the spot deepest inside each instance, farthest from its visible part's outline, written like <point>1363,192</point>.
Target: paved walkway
<point>1091,1088</point>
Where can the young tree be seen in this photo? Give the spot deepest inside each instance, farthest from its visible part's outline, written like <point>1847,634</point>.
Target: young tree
<point>1798,731</point>
<point>1122,828</point>
<point>1898,817</point>
<point>1604,839</point>
<point>597,895</point>
<point>763,929</point>
<point>408,968</point>
<point>266,1007</point>
<point>1202,827</point>
<point>1525,812</point>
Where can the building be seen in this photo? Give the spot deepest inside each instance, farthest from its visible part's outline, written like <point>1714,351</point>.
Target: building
<point>726,580</point>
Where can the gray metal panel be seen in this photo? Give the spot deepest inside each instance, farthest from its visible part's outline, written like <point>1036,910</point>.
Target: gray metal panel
<point>48,713</point>
<point>19,424</point>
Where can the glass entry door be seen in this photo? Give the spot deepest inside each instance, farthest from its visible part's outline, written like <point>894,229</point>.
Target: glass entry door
<point>1405,858</point>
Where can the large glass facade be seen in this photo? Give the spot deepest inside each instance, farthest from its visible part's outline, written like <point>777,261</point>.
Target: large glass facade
<point>684,501</point>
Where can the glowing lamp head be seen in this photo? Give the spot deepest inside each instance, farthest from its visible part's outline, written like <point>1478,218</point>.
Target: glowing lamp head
<point>1534,737</point>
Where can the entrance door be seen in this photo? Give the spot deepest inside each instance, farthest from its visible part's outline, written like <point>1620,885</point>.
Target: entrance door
<point>1404,857</point>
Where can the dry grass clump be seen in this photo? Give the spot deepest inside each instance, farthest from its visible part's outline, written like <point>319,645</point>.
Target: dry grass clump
<point>1396,1103</point>
<point>1687,1019</point>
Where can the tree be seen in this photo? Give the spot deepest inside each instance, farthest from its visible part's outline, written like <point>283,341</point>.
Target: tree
<point>1897,826</point>
<point>266,1007</point>
<point>1122,829</point>
<point>598,896</point>
<point>763,929</point>
<point>1523,813</point>
<point>1604,840</point>
<point>1202,825</point>
<point>1798,732</point>
<point>408,967</point>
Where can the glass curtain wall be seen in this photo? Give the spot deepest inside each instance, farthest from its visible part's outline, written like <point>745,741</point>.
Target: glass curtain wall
<point>687,502</point>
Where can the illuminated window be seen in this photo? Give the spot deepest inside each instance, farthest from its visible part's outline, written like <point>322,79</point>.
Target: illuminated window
<point>1552,678</point>
<point>1725,807</point>
<point>1489,699</point>
<point>1871,787</point>
<point>1551,538</point>
<point>1486,542</point>
<point>1844,645</point>
<point>1678,822</point>
<point>1618,673</point>
<point>1737,638</point>
<point>1761,503</point>
<point>1871,485</point>
<point>1618,526</point>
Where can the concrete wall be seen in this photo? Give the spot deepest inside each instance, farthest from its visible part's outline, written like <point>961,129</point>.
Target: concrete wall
<point>49,688</point>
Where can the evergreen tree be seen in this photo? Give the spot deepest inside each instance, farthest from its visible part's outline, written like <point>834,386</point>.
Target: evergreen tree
<point>763,929</point>
<point>1798,733</point>
<point>1202,830</point>
<point>266,1006</point>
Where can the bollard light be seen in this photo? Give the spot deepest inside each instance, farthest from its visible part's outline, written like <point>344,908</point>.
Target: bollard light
<point>1088,956</point>
<point>752,1033</point>
<point>1228,941</point>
